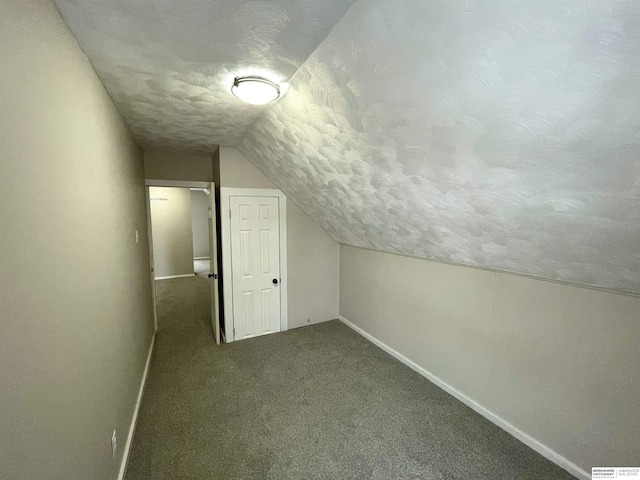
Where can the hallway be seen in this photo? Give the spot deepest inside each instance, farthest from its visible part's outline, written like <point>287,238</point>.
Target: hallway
<point>187,298</point>
<point>315,402</point>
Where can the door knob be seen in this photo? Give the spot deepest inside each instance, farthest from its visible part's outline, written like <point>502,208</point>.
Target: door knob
<point>275,281</point>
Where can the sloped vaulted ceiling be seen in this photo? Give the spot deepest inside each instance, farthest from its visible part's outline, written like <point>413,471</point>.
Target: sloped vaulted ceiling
<point>493,133</point>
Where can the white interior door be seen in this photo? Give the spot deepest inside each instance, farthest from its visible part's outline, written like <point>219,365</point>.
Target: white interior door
<point>255,265</point>
<point>151,260</point>
<point>213,264</point>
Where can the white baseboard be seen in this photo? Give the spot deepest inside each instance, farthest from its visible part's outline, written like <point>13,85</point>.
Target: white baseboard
<point>134,419</point>
<point>176,276</point>
<point>532,443</point>
<point>201,258</point>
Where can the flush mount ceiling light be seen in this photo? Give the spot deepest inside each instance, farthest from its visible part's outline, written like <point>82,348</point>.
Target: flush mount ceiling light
<point>255,90</point>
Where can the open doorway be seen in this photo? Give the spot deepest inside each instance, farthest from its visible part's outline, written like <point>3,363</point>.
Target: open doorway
<point>182,241</point>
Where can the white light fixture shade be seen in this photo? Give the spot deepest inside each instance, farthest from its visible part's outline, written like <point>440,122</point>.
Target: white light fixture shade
<point>255,90</point>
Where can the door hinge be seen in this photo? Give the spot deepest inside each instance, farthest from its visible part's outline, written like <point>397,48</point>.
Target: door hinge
<point>229,213</point>
<point>234,333</point>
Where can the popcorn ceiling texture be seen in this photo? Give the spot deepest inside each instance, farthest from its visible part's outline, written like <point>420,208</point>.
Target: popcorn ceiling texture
<point>493,133</point>
<point>169,64</point>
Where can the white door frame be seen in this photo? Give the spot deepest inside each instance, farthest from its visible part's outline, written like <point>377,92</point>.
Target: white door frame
<point>163,183</point>
<point>227,276</point>
<point>176,183</point>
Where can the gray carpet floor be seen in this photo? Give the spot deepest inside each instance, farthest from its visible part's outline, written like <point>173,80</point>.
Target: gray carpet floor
<point>180,300</point>
<point>319,402</point>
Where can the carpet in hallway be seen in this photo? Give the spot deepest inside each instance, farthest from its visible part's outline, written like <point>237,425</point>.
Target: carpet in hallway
<point>319,402</point>
<point>183,299</point>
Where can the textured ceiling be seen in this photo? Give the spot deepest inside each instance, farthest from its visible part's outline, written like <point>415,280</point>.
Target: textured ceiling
<point>169,64</point>
<point>494,133</point>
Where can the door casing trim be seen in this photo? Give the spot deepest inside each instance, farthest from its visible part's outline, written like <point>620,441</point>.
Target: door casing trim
<point>227,279</point>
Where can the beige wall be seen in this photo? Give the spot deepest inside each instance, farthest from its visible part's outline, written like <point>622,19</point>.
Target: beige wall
<point>172,231</point>
<point>200,223</point>
<point>215,167</point>
<point>177,166</point>
<point>236,171</point>
<point>558,362</point>
<point>313,255</point>
<point>76,317</point>
<point>313,265</point>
